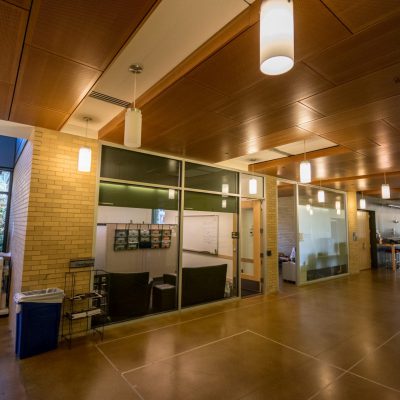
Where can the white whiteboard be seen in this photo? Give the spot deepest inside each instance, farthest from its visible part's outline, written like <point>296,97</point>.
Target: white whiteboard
<point>200,233</point>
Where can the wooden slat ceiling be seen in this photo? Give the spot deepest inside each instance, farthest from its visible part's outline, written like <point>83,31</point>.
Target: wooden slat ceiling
<point>54,51</point>
<point>345,86</point>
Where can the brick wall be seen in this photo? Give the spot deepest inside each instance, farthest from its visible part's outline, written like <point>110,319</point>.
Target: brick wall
<point>271,262</point>
<point>287,226</point>
<point>18,220</point>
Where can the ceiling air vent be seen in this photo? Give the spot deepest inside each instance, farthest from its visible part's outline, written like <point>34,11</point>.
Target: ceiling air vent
<point>109,99</point>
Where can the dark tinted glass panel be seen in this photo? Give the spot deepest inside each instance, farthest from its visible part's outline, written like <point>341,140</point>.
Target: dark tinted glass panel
<point>118,195</point>
<point>132,166</point>
<point>3,216</point>
<point>203,177</point>
<point>210,202</point>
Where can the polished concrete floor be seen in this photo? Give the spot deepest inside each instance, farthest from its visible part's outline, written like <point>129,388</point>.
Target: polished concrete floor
<point>334,340</point>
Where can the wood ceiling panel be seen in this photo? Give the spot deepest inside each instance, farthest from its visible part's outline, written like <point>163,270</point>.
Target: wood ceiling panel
<point>21,3</point>
<point>49,81</point>
<point>352,58</point>
<point>394,121</point>
<point>359,14</point>
<point>358,92</point>
<point>12,29</point>
<point>360,115</point>
<point>90,32</point>
<point>237,63</point>
<point>177,105</point>
<point>36,116</point>
<point>363,136</point>
<point>277,120</point>
<point>274,92</point>
<point>274,139</point>
<point>6,92</point>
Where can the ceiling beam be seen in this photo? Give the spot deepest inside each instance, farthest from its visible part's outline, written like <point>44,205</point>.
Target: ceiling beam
<point>242,22</point>
<point>330,151</point>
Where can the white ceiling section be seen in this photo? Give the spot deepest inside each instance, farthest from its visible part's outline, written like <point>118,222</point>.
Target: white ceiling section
<point>312,144</point>
<point>13,129</point>
<point>173,31</point>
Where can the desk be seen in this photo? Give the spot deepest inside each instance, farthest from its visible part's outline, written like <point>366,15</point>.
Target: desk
<point>393,252</point>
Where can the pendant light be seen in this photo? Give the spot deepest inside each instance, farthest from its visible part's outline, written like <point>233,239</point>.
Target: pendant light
<point>171,194</point>
<point>338,206</point>
<point>253,189</point>
<point>225,188</point>
<point>276,36</point>
<point>305,168</point>
<point>321,194</point>
<point>133,116</point>
<point>385,189</point>
<point>85,153</point>
<point>223,203</point>
<point>363,203</point>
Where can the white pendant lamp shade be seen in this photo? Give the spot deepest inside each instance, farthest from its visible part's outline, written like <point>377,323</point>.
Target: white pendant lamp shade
<point>338,211</point>
<point>338,206</point>
<point>321,196</point>
<point>133,128</point>
<point>305,172</point>
<point>84,159</point>
<point>385,191</point>
<point>363,203</point>
<point>224,203</point>
<point>276,36</point>
<point>171,194</point>
<point>225,188</point>
<point>253,186</point>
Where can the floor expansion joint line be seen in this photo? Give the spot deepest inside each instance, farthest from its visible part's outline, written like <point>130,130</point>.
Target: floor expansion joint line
<point>184,352</point>
<point>196,319</point>
<point>107,358</point>
<point>133,387</point>
<point>298,351</point>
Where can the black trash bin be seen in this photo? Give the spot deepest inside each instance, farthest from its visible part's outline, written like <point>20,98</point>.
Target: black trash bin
<point>38,321</point>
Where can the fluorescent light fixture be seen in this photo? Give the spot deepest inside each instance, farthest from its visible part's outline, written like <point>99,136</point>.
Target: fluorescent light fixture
<point>363,204</point>
<point>225,188</point>
<point>171,194</point>
<point>84,159</point>
<point>321,196</point>
<point>305,172</point>
<point>133,128</point>
<point>385,191</point>
<point>276,36</point>
<point>224,203</point>
<point>253,186</point>
<point>338,206</point>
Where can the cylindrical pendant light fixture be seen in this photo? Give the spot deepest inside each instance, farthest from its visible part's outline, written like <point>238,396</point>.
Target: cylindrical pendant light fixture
<point>133,117</point>
<point>363,204</point>
<point>85,153</point>
<point>171,194</point>
<point>223,203</point>
<point>225,188</point>
<point>338,206</point>
<point>253,186</point>
<point>321,196</point>
<point>305,172</point>
<point>276,36</point>
<point>385,191</point>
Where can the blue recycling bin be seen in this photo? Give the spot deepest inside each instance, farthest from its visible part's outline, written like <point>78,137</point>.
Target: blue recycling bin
<point>38,321</point>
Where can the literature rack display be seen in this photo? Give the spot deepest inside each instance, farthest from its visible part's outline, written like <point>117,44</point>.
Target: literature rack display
<point>85,298</point>
<point>143,236</point>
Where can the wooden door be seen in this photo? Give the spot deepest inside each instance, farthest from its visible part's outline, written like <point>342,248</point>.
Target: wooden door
<point>250,263</point>
<point>363,238</point>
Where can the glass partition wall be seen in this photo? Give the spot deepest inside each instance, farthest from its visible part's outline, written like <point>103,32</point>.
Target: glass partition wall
<point>322,233</point>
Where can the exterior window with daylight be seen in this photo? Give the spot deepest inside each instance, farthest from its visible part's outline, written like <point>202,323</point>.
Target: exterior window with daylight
<point>5,183</point>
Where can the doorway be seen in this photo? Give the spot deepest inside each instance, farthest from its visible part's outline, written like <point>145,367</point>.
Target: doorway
<point>251,247</point>
<point>363,236</point>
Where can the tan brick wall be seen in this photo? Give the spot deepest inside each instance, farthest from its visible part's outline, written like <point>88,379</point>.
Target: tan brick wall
<point>18,220</point>
<point>271,224</point>
<point>62,207</point>
<point>354,246</point>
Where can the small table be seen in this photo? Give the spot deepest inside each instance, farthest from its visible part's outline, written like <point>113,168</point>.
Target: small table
<point>393,249</point>
<point>163,297</point>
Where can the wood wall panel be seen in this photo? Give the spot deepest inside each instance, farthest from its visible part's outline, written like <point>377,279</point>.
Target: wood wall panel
<point>43,117</point>
<point>274,92</point>
<point>361,54</point>
<point>357,15</point>
<point>49,81</point>
<point>90,32</point>
<point>358,92</point>
<point>12,29</point>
